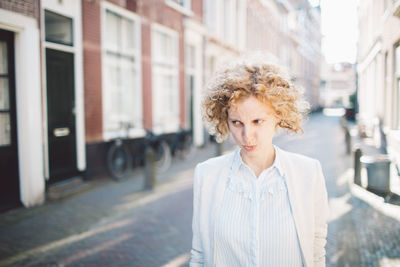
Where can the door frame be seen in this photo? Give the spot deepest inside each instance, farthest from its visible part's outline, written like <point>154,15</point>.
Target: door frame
<point>28,104</point>
<point>71,9</point>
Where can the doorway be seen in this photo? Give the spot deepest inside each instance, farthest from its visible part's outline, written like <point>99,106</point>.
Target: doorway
<point>9,174</point>
<point>61,115</point>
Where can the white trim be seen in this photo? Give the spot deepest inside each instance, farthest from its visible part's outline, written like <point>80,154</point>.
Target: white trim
<point>121,11</point>
<point>60,47</point>
<point>194,38</point>
<point>184,10</point>
<point>133,133</point>
<point>28,105</point>
<point>370,57</point>
<point>79,92</point>
<point>139,130</point>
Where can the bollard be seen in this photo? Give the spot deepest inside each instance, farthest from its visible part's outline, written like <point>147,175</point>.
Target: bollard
<point>348,140</point>
<point>357,166</point>
<point>150,168</point>
<point>219,149</point>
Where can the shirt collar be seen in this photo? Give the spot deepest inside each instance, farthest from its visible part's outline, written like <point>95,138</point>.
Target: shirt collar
<point>237,161</point>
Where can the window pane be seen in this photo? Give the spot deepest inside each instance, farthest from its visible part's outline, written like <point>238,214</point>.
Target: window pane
<point>5,136</point>
<point>111,95</point>
<point>165,79</point>
<point>128,91</point>
<point>190,56</point>
<point>113,23</point>
<point>3,58</point>
<point>4,95</point>
<point>129,36</point>
<point>58,28</point>
<point>180,2</point>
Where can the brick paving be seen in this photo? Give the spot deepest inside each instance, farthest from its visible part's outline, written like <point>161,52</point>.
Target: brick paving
<point>118,224</point>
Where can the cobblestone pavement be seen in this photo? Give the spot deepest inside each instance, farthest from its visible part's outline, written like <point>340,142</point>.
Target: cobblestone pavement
<point>362,230</point>
<point>117,224</point>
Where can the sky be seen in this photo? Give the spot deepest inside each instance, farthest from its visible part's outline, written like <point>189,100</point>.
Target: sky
<point>339,29</point>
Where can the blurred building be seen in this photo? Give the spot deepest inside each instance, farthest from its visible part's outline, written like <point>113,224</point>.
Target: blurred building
<point>379,70</point>
<point>304,24</point>
<point>76,74</point>
<point>291,38</point>
<point>338,82</point>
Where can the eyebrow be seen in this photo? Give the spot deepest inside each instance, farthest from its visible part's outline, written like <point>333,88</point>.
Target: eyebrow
<point>256,118</point>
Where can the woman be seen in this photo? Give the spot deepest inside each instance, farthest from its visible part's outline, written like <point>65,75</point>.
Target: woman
<point>259,205</point>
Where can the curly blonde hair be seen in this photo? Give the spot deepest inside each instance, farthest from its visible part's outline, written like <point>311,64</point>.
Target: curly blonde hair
<point>265,81</point>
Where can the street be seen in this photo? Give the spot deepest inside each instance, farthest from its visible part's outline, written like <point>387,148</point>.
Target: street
<point>117,224</point>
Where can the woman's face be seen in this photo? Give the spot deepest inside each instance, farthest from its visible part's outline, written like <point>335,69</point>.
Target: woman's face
<point>253,125</point>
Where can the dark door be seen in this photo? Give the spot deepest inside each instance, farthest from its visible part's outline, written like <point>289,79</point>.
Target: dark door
<point>9,179</point>
<point>61,115</point>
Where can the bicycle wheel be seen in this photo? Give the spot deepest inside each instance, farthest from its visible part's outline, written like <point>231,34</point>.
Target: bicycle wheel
<point>163,157</point>
<point>119,161</point>
<point>187,147</point>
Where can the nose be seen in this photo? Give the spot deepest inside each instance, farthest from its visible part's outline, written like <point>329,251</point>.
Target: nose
<point>247,135</point>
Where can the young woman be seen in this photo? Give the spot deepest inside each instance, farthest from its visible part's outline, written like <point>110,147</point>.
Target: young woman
<point>259,205</point>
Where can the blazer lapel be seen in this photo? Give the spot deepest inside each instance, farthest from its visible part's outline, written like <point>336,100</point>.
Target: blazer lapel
<point>295,198</point>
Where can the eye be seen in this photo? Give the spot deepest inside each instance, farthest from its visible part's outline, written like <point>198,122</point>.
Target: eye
<point>258,121</point>
<point>236,122</point>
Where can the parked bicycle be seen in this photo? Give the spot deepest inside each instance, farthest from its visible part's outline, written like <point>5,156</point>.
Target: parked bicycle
<point>119,156</point>
<point>161,148</point>
<point>182,146</point>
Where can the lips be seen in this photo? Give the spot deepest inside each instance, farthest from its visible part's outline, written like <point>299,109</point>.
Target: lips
<point>249,148</point>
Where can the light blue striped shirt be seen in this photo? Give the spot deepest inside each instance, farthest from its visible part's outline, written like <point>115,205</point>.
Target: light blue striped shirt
<point>255,226</point>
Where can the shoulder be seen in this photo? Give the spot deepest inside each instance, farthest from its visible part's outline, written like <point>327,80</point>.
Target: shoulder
<point>217,162</point>
<point>214,166</point>
<point>298,159</point>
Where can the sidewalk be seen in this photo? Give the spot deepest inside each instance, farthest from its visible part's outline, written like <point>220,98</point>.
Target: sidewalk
<point>27,232</point>
<point>368,148</point>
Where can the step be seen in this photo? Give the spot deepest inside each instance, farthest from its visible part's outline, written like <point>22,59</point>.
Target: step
<point>67,188</point>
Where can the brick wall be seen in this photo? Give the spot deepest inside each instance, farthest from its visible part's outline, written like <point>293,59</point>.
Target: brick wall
<point>92,70</point>
<point>26,7</point>
<point>150,11</point>
<point>197,8</point>
<point>146,70</point>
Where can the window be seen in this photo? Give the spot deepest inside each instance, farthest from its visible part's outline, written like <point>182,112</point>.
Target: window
<point>5,123</point>
<point>122,99</point>
<point>229,20</point>
<point>183,3</point>
<point>182,6</point>
<point>58,29</point>
<point>165,73</point>
<point>210,14</point>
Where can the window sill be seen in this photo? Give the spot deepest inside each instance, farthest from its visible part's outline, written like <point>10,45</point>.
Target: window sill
<point>179,8</point>
<point>133,133</point>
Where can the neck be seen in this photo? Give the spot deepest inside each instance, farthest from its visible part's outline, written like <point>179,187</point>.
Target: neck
<point>260,161</point>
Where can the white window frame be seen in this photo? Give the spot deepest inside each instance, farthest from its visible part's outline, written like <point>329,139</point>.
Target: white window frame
<point>172,124</point>
<point>137,130</point>
<point>184,9</point>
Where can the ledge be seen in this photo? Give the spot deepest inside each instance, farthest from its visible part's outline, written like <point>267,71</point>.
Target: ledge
<point>179,8</point>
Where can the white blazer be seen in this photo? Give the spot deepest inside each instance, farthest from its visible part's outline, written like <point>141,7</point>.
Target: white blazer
<point>307,195</point>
